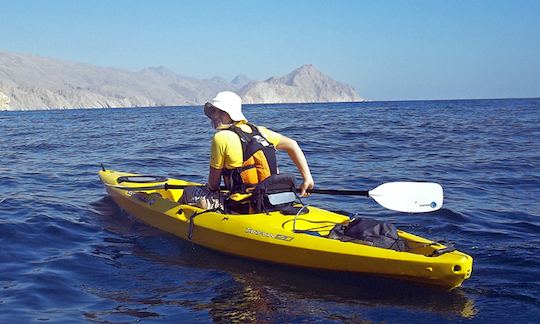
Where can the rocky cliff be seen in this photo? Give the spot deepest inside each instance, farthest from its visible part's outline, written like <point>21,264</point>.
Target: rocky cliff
<point>33,82</point>
<point>4,101</point>
<point>305,84</point>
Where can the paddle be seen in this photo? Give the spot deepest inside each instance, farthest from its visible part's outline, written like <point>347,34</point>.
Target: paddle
<point>407,197</point>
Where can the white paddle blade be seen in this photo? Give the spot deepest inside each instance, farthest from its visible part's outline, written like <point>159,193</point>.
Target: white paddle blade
<point>409,197</point>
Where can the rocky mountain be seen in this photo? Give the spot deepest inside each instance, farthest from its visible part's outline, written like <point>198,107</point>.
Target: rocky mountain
<point>34,82</point>
<point>4,101</point>
<point>240,81</point>
<point>305,84</point>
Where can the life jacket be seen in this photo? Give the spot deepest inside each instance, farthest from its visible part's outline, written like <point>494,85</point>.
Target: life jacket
<point>259,161</point>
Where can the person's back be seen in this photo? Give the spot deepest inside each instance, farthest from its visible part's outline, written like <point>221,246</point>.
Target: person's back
<point>246,154</point>
<point>242,153</point>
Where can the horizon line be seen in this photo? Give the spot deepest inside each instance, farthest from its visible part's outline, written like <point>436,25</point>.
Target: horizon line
<point>269,104</point>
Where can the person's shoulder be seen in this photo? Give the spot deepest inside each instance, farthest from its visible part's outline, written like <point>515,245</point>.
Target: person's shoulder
<point>224,134</point>
<point>273,137</point>
<point>264,129</point>
<point>258,127</point>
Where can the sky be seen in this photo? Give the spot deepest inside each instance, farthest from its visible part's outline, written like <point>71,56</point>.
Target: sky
<point>387,50</point>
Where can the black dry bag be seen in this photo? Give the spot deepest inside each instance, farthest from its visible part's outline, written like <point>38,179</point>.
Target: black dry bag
<point>370,231</point>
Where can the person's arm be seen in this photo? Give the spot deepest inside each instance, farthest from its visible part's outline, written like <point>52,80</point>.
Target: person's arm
<point>214,179</point>
<point>293,149</point>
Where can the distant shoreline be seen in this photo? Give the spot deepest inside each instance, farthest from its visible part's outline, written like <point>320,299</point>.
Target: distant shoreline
<point>366,102</point>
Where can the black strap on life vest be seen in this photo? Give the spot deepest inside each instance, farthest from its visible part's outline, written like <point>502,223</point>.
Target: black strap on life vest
<point>251,143</point>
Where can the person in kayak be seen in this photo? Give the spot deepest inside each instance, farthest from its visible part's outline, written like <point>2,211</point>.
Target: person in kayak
<point>242,154</point>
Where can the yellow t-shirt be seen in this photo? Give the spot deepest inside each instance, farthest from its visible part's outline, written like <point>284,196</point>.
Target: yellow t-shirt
<point>226,150</point>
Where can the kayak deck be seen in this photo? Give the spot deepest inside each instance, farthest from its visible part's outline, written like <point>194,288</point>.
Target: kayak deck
<point>296,240</point>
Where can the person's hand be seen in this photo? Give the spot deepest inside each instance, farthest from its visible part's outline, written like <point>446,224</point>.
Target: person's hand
<point>307,185</point>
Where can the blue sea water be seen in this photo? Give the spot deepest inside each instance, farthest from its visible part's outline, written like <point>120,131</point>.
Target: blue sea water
<point>68,254</point>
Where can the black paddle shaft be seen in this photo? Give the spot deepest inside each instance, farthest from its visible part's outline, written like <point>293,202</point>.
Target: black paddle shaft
<point>167,186</point>
<point>364,193</point>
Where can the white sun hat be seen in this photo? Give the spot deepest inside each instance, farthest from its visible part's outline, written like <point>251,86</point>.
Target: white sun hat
<point>230,103</point>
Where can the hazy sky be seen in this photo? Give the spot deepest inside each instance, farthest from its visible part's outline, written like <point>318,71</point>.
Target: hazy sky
<point>388,50</point>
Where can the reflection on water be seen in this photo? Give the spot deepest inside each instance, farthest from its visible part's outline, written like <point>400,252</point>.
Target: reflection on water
<point>269,287</point>
<point>240,301</point>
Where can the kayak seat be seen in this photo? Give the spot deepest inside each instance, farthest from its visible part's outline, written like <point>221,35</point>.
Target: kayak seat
<point>277,193</point>
<point>293,210</point>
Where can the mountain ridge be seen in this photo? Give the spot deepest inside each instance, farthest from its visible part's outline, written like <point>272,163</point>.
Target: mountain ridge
<point>306,84</point>
<point>33,82</point>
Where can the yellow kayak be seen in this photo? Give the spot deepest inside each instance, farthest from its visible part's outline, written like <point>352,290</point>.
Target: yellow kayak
<point>286,239</point>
